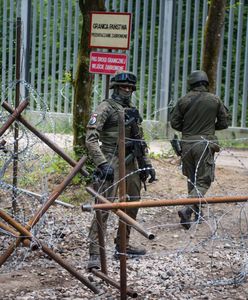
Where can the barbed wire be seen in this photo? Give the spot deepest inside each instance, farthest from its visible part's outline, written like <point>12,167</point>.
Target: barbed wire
<point>212,240</point>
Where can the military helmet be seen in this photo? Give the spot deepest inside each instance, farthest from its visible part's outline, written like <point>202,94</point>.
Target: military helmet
<point>123,78</point>
<point>197,76</point>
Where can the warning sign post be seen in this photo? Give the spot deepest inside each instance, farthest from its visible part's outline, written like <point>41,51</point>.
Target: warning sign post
<point>110,30</point>
<point>107,63</point>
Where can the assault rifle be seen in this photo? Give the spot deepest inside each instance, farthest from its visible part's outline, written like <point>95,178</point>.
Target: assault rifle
<point>138,146</point>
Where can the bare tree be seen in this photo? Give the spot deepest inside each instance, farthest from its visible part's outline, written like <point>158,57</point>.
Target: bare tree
<point>212,40</point>
<point>83,79</point>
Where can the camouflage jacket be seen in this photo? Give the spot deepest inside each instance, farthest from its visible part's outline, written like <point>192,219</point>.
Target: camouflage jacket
<point>103,127</point>
<point>199,113</point>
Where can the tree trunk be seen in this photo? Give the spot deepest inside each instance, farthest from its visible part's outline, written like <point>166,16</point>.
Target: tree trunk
<point>212,40</point>
<point>83,79</point>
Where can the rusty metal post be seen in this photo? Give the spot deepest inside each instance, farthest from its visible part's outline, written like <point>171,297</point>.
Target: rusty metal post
<point>115,284</point>
<point>101,242</point>
<point>15,234</point>
<point>126,218</point>
<point>9,251</point>
<point>42,137</point>
<point>8,229</point>
<point>48,251</point>
<point>165,202</point>
<point>107,83</point>
<point>16,225</point>
<point>44,208</point>
<point>17,102</point>
<point>13,117</point>
<point>26,242</point>
<point>107,86</point>
<point>122,197</point>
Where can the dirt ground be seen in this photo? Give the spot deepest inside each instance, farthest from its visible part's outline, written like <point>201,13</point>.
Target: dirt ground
<point>209,261</point>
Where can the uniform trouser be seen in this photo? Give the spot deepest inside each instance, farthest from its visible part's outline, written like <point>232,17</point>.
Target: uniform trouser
<point>199,167</point>
<point>133,187</point>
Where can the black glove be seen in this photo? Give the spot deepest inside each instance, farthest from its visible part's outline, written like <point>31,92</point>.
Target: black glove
<point>151,172</point>
<point>148,171</point>
<point>105,172</point>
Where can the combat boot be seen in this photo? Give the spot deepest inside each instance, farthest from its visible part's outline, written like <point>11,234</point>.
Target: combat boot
<point>185,216</point>
<point>131,251</point>
<point>94,262</point>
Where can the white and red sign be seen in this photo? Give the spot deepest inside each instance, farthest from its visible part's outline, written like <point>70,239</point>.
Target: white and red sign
<point>107,63</point>
<point>110,30</point>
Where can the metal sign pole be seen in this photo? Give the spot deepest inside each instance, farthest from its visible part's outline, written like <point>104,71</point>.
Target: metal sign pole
<point>17,102</point>
<point>122,197</point>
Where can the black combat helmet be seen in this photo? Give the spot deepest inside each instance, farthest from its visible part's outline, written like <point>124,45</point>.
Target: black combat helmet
<point>198,76</point>
<point>123,78</point>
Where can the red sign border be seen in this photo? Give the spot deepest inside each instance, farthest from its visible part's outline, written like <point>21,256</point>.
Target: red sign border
<point>110,13</point>
<point>107,53</point>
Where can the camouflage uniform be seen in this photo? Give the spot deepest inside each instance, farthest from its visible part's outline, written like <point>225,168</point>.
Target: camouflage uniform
<point>197,115</point>
<point>103,127</point>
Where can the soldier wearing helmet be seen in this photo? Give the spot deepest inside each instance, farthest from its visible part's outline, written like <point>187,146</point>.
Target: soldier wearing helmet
<point>123,78</point>
<point>103,127</point>
<point>197,115</point>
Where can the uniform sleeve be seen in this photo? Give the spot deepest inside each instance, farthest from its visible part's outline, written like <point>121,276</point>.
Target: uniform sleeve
<point>222,117</point>
<point>176,118</point>
<point>94,127</point>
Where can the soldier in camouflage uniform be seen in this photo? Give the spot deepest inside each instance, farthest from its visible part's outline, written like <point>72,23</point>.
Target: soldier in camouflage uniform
<point>103,127</point>
<point>197,115</point>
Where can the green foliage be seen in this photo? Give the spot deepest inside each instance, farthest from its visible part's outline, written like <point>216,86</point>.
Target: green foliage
<point>77,197</point>
<point>235,143</point>
<point>58,165</point>
<point>162,155</point>
<point>235,5</point>
<point>68,77</point>
<point>30,179</point>
<point>54,169</point>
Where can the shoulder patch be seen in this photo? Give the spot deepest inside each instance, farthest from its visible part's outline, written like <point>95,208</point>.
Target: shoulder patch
<point>93,119</point>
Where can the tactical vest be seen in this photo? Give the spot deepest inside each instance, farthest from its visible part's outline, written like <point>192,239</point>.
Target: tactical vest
<point>110,131</point>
